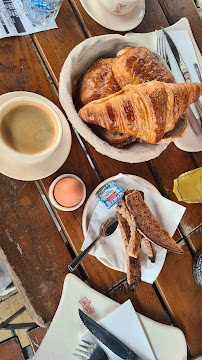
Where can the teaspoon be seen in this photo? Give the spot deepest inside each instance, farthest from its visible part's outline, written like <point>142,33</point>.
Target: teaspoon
<point>106,229</point>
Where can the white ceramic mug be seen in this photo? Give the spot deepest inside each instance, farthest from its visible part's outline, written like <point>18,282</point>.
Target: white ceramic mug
<point>7,114</point>
<point>118,7</point>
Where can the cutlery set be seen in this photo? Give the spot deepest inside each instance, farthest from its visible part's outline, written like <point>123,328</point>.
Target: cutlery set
<point>162,50</point>
<point>94,352</point>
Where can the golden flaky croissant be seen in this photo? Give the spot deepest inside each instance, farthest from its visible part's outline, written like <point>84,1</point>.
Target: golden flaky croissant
<point>138,65</point>
<point>146,111</point>
<point>97,82</point>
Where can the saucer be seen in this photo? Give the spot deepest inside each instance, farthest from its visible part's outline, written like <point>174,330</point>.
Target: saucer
<point>190,142</point>
<point>24,171</point>
<point>114,22</point>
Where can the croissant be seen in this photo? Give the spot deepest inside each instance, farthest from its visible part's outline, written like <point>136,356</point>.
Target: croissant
<point>146,111</point>
<point>138,65</point>
<point>97,82</point>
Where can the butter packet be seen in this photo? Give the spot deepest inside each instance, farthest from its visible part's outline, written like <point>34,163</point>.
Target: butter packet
<point>110,194</point>
<point>188,186</point>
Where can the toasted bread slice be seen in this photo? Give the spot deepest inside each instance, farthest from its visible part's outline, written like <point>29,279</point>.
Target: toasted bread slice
<point>150,251</point>
<point>114,138</point>
<point>147,224</point>
<point>133,264</point>
<point>125,230</point>
<point>133,270</point>
<point>135,236</point>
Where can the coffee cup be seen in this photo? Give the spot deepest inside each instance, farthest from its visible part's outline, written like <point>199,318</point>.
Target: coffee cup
<point>30,130</point>
<point>118,7</point>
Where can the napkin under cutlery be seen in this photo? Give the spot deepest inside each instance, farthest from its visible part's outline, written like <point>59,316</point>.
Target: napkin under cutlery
<point>125,325</point>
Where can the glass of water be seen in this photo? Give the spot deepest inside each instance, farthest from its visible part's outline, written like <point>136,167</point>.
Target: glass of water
<point>42,11</point>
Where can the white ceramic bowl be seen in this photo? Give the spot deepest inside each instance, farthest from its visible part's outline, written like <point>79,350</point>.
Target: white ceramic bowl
<point>52,198</point>
<point>30,158</point>
<point>77,62</point>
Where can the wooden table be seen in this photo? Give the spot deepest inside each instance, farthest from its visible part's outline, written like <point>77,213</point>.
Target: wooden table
<point>33,63</point>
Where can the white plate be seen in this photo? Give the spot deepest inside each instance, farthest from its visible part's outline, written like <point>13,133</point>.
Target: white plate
<point>114,22</point>
<point>21,171</point>
<point>63,336</point>
<point>92,202</point>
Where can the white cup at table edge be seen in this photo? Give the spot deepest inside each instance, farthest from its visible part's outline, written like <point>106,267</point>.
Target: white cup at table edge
<point>29,157</point>
<point>118,7</point>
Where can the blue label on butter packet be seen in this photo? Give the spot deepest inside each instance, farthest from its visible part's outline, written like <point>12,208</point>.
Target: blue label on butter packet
<point>109,194</point>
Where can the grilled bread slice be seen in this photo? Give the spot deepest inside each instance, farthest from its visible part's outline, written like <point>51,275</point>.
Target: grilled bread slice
<point>135,237</point>
<point>133,264</point>
<point>150,250</point>
<point>147,224</point>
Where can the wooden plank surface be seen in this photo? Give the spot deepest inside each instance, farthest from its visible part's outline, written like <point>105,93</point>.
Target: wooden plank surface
<point>36,336</point>
<point>54,52</point>
<point>28,234</point>
<point>164,169</point>
<point>198,157</point>
<point>169,165</point>
<point>31,248</point>
<point>10,349</point>
<point>195,239</point>
<point>183,297</point>
<point>143,298</point>
<point>65,37</point>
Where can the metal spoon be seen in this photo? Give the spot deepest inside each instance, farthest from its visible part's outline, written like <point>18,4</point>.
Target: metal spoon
<point>106,229</point>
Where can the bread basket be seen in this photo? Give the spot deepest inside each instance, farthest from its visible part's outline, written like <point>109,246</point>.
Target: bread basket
<point>77,62</point>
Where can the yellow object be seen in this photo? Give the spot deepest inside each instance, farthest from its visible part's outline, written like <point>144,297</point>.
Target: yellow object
<point>188,186</point>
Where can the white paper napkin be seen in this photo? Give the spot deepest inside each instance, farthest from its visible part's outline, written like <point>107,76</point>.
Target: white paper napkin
<point>126,326</point>
<point>111,248</point>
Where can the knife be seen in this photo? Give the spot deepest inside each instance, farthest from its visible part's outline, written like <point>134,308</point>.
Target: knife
<point>114,344</point>
<point>186,75</point>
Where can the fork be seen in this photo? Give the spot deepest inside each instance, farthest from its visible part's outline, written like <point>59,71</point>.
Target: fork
<point>161,47</point>
<point>90,351</point>
<point>162,51</point>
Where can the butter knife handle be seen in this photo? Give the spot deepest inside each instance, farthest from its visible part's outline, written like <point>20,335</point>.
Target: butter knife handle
<point>193,121</point>
<point>185,71</point>
<point>199,108</point>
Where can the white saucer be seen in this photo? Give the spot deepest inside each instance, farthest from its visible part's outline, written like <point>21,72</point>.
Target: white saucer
<point>63,335</point>
<point>114,22</point>
<point>190,142</point>
<point>92,202</point>
<point>21,171</point>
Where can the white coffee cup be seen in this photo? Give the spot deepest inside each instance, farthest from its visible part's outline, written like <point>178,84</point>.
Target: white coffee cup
<point>30,130</point>
<point>118,7</point>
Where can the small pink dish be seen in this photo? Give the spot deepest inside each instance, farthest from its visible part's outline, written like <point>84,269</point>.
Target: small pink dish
<point>67,192</point>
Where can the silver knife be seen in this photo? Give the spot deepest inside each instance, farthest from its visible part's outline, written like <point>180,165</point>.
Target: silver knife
<point>183,67</point>
<point>108,339</point>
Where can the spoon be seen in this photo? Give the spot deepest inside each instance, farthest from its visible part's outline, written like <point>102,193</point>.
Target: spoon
<point>106,229</point>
